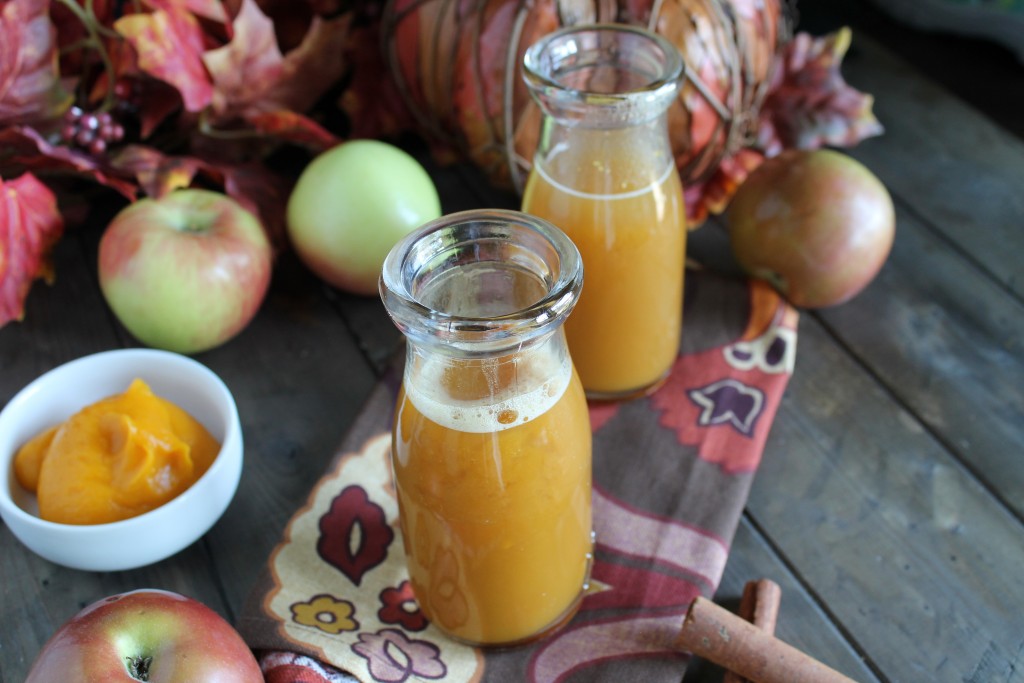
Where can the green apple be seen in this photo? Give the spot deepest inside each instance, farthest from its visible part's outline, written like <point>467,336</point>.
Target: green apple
<point>351,204</point>
<point>185,272</point>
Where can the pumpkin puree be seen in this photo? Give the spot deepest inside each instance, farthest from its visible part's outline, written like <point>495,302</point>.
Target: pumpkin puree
<point>117,458</point>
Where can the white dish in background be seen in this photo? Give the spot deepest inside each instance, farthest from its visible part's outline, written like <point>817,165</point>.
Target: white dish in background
<point>57,395</point>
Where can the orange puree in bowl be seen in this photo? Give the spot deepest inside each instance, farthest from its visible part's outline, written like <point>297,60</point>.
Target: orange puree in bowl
<point>117,458</point>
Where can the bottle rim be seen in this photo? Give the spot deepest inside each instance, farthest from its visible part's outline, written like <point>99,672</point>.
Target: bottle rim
<point>453,241</point>
<point>551,60</point>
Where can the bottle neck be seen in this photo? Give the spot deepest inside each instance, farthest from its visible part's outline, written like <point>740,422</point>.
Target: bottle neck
<point>603,76</point>
<point>604,161</point>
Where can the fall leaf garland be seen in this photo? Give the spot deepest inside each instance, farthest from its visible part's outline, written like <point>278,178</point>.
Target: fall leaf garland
<point>200,91</point>
<point>149,96</point>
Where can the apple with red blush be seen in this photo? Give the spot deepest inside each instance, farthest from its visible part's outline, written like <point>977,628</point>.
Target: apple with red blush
<point>185,272</point>
<point>146,635</point>
<point>817,224</point>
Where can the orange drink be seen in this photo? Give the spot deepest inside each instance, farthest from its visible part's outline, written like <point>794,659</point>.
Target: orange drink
<point>497,530</point>
<point>491,443</point>
<point>627,219</point>
<point>603,172</point>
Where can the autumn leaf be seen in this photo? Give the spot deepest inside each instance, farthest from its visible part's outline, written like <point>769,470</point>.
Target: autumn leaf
<point>809,104</point>
<point>372,102</point>
<point>158,102</point>
<point>30,86</point>
<point>314,67</point>
<point>169,44</point>
<point>25,149</point>
<point>157,173</point>
<point>211,9</point>
<point>711,195</point>
<point>254,186</point>
<point>292,127</point>
<point>245,69</point>
<point>30,225</point>
<point>263,193</point>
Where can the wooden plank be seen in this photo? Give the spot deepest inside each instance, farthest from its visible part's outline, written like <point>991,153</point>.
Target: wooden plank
<point>802,622</point>
<point>39,596</point>
<point>299,380</point>
<point>912,557</point>
<point>942,332</point>
<point>292,421</point>
<point>378,339</point>
<point>959,171</point>
<point>60,324</point>
<point>948,342</point>
<point>942,327</point>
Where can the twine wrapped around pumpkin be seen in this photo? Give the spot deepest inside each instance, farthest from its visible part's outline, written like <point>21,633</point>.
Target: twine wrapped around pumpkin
<point>457,65</point>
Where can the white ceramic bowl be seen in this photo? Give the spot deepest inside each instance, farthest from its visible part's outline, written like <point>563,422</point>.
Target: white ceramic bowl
<point>159,533</point>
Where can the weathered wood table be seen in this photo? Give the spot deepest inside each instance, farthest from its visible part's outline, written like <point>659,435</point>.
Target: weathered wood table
<point>890,502</point>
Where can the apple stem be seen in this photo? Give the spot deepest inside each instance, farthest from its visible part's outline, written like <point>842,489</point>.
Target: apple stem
<point>138,667</point>
<point>774,278</point>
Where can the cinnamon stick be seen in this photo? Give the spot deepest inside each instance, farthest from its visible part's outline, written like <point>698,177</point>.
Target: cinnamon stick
<point>719,636</point>
<point>760,606</point>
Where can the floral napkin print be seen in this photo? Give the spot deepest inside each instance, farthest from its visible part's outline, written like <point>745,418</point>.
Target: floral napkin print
<point>671,476</point>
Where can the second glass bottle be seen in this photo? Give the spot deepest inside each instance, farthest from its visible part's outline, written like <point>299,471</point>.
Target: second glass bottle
<point>604,173</point>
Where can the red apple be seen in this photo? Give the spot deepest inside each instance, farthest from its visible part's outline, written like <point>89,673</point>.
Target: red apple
<point>146,635</point>
<point>185,272</point>
<point>816,224</point>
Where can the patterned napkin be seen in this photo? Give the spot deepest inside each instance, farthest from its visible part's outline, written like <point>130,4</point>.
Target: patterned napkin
<point>671,476</point>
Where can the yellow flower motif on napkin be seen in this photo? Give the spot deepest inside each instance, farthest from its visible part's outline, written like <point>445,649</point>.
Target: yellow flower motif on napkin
<point>326,613</point>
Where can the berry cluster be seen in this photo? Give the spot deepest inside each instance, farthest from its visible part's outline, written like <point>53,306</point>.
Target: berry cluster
<point>91,131</point>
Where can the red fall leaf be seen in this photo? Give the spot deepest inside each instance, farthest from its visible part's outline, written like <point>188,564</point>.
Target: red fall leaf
<point>30,86</point>
<point>25,149</point>
<point>211,9</point>
<point>30,225</point>
<point>159,101</point>
<point>290,126</point>
<point>712,195</point>
<point>254,186</point>
<point>263,193</point>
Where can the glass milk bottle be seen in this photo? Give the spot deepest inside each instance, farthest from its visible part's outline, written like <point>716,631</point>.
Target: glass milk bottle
<point>604,173</point>
<point>491,444</point>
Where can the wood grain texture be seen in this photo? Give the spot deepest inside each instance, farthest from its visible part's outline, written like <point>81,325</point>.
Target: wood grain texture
<point>958,171</point>
<point>912,555</point>
<point>803,622</point>
<point>952,352</point>
<point>299,380</point>
<point>889,503</point>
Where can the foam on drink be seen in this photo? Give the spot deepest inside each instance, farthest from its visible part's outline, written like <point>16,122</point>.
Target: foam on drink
<point>501,404</point>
